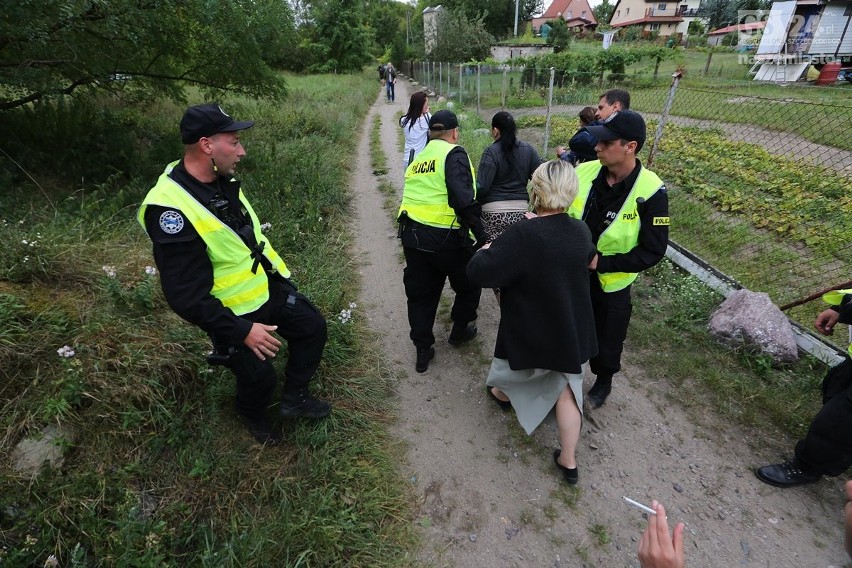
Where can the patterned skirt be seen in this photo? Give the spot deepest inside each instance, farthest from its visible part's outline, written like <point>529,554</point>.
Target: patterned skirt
<point>495,223</point>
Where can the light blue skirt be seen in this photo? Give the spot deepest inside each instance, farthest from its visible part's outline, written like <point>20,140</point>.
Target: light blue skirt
<point>533,392</point>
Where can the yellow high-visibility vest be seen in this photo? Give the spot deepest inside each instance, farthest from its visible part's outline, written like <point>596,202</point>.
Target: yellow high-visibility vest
<point>424,197</point>
<point>234,283</point>
<point>622,235</point>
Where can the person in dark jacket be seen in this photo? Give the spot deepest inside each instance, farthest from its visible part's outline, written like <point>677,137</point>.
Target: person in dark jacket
<point>547,326</point>
<point>827,447</point>
<point>581,147</point>
<point>505,169</point>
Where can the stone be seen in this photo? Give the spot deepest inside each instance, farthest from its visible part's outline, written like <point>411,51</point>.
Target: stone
<point>45,448</point>
<point>751,317</point>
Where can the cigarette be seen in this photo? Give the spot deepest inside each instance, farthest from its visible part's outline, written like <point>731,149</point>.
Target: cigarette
<point>638,505</point>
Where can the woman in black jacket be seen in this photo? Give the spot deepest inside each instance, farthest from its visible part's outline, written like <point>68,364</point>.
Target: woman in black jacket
<point>504,171</point>
<point>547,329</point>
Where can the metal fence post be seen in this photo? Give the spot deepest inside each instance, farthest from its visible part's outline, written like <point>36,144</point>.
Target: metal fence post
<point>440,78</point>
<point>449,67</point>
<point>664,117</point>
<point>549,105</point>
<point>478,85</point>
<point>503,90</point>
<point>461,72</point>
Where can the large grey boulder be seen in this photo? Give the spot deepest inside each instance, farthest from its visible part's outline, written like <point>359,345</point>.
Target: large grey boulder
<point>751,317</point>
<point>46,448</point>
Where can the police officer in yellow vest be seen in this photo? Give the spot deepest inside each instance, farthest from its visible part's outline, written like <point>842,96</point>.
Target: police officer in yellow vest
<point>627,210</point>
<point>219,271</point>
<point>827,447</point>
<point>438,212</point>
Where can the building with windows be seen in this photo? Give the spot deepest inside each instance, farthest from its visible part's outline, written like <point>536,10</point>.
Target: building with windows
<point>661,16</point>
<point>576,13</point>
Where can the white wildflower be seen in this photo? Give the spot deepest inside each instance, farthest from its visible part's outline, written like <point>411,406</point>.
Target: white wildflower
<point>25,242</point>
<point>150,270</point>
<point>265,226</point>
<point>110,270</point>
<point>66,351</point>
<point>51,562</point>
<point>344,316</point>
<point>26,259</point>
<point>353,305</point>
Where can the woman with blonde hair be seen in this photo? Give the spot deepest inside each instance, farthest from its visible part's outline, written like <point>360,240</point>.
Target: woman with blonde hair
<point>547,329</point>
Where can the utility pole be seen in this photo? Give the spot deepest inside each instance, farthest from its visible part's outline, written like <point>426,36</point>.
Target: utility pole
<point>516,18</point>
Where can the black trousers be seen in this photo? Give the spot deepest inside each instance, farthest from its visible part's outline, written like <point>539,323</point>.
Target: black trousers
<point>612,316</point>
<point>304,329</point>
<point>424,277</point>
<point>827,448</point>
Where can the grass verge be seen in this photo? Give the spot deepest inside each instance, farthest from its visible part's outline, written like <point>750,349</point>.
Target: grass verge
<point>159,471</point>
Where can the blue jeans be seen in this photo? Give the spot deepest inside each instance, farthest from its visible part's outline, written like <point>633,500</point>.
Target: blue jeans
<point>390,89</point>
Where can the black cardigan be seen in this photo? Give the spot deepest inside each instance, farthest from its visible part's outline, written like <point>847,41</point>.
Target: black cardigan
<point>541,268</point>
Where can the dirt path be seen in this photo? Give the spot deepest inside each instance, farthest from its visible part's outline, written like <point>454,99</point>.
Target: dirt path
<point>490,496</point>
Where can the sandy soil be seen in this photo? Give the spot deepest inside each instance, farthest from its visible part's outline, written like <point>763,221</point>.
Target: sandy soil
<point>489,495</point>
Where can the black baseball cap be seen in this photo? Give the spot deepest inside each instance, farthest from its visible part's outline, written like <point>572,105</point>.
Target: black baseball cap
<point>622,125</point>
<point>443,120</point>
<point>202,121</point>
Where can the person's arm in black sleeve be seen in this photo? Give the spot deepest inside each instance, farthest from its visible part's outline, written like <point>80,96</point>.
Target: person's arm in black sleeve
<point>485,174</point>
<point>653,239</point>
<point>460,195</point>
<point>186,276</point>
<point>534,162</point>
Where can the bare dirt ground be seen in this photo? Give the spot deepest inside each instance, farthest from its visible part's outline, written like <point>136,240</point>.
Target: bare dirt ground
<point>491,496</point>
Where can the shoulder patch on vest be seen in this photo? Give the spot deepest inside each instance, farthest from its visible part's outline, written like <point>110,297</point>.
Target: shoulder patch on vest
<point>171,222</point>
<point>658,221</point>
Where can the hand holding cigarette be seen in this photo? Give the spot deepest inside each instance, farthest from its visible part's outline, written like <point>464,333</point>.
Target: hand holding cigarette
<point>658,548</point>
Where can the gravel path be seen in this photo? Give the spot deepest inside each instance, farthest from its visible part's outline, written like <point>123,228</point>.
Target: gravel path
<point>489,496</point>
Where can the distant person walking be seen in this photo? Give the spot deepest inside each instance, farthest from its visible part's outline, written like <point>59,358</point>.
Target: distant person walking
<point>415,126</point>
<point>626,207</point>
<point>546,330</point>
<point>506,166</point>
<point>381,70</point>
<point>390,81</point>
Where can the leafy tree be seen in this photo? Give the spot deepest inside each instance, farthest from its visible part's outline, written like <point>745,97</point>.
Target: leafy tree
<point>559,36</point>
<point>339,41</point>
<point>603,12</point>
<point>529,9</point>
<point>696,27</point>
<point>719,13</point>
<point>52,47</point>
<point>460,38</point>
<point>497,16</point>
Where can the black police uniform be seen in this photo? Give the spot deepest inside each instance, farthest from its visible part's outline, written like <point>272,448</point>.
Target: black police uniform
<point>434,254</point>
<point>186,276</point>
<point>613,309</point>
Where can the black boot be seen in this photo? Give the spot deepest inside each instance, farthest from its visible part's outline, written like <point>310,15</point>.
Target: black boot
<point>462,333</point>
<point>424,355</point>
<point>787,474</point>
<point>300,403</point>
<point>600,390</point>
<point>263,430</point>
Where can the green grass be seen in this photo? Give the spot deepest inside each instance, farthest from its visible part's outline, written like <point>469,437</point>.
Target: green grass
<point>672,310</point>
<point>161,472</point>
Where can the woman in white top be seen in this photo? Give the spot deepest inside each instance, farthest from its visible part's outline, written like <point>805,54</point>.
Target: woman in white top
<point>415,126</point>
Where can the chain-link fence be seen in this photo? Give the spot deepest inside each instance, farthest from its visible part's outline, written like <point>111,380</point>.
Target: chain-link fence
<point>760,185</point>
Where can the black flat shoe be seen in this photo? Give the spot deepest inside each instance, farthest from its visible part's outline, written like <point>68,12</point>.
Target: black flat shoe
<point>788,474</point>
<point>505,405</point>
<point>571,475</point>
